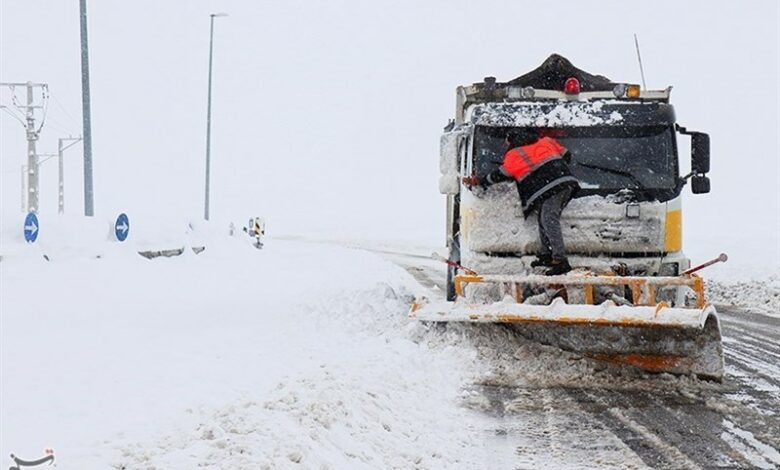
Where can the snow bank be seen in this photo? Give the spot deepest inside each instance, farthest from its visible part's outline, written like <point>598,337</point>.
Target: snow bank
<point>67,237</point>
<point>757,296</point>
<point>750,279</point>
<point>298,355</point>
<point>59,236</point>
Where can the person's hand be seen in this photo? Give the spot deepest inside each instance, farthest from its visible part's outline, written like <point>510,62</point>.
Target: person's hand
<point>471,181</point>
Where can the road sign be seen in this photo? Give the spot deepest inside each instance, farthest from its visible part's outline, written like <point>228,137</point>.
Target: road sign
<point>31,227</point>
<point>122,227</point>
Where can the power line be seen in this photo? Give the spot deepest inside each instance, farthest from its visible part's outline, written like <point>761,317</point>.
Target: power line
<point>4,108</point>
<point>59,125</point>
<point>45,98</point>
<point>59,117</point>
<point>64,110</point>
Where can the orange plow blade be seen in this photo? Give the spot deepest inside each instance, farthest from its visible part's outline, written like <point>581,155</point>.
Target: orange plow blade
<point>658,338</point>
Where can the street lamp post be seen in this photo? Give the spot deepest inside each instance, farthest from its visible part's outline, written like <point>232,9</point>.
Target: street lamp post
<point>89,198</point>
<point>208,113</point>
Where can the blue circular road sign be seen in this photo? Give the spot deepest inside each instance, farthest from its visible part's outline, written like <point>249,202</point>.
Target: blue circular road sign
<point>31,227</point>
<point>122,227</point>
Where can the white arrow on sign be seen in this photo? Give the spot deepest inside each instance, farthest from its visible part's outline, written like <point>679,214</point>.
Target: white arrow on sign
<point>32,228</point>
<point>122,228</point>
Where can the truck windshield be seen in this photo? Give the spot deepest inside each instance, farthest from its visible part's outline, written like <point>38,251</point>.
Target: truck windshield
<point>605,159</point>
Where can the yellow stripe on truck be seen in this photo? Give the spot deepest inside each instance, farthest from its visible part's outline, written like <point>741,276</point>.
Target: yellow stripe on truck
<point>673,231</point>
<point>466,219</point>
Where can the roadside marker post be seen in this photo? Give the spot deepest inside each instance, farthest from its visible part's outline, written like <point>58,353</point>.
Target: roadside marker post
<point>31,227</point>
<point>122,227</point>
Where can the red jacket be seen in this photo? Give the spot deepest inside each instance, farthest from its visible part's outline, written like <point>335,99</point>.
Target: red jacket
<point>519,162</point>
<point>539,170</point>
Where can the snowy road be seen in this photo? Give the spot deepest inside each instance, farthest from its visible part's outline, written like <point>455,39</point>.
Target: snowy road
<point>632,420</point>
<point>245,358</point>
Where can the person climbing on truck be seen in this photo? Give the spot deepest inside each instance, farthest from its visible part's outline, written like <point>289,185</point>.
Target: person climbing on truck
<point>540,168</point>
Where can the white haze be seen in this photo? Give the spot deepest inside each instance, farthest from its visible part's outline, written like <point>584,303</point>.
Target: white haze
<point>327,115</point>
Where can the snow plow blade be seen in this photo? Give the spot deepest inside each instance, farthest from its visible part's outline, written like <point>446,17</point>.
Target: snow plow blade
<point>655,337</point>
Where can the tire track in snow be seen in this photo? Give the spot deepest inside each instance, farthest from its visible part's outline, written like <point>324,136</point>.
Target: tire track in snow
<point>758,454</point>
<point>718,452</point>
<point>652,451</point>
<point>760,330</point>
<point>762,343</point>
<point>750,347</point>
<point>550,428</point>
<point>744,362</point>
<point>673,456</point>
<point>633,416</point>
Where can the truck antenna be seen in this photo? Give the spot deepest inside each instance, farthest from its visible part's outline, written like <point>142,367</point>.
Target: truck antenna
<point>639,57</point>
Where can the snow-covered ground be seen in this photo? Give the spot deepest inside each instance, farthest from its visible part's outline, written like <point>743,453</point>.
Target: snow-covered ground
<point>299,355</point>
<point>755,295</point>
<point>235,358</point>
<point>750,279</point>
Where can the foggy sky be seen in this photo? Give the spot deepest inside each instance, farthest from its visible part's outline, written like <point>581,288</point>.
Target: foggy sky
<point>327,115</point>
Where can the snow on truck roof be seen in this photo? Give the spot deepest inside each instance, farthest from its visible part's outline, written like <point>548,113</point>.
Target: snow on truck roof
<point>571,114</point>
<point>556,80</point>
<point>533,115</point>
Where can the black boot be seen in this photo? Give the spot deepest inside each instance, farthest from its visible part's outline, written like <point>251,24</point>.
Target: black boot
<point>558,266</point>
<point>542,260</point>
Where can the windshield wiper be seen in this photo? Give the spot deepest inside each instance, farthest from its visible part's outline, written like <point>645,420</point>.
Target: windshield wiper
<point>627,174</point>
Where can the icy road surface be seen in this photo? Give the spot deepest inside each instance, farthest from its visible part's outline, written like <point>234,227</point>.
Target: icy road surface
<point>561,411</point>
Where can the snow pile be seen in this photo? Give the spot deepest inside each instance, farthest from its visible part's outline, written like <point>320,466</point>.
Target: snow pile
<point>59,236</point>
<point>298,355</point>
<point>758,296</point>
<point>62,237</point>
<point>335,417</point>
<point>543,115</point>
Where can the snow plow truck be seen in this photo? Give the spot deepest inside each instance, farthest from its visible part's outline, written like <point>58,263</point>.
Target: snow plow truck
<point>631,298</point>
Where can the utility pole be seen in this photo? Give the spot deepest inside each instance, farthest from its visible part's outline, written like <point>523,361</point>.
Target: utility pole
<point>32,157</point>
<point>42,158</point>
<point>60,149</point>
<point>32,138</point>
<point>208,115</point>
<point>89,204</point>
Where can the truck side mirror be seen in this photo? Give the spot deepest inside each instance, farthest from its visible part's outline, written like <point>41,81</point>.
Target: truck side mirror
<point>700,184</point>
<point>451,149</point>
<point>700,160</point>
<point>700,153</point>
<point>448,163</point>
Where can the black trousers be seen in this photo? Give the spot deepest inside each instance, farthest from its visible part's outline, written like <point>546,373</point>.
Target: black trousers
<point>550,234</point>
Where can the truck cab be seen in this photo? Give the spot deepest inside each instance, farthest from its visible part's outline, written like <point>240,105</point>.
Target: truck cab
<point>627,215</point>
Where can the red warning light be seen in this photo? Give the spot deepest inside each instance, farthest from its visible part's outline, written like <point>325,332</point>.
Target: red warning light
<point>572,86</point>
